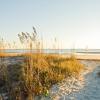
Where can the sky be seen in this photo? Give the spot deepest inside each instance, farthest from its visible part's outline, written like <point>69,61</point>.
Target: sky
<point>74,23</point>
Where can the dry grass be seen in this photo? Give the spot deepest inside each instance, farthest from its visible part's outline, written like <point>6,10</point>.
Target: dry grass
<point>42,71</point>
<point>37,73</point>
<point>9,54</point>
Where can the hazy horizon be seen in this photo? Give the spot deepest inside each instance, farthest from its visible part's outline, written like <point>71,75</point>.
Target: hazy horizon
<point>75,23</point>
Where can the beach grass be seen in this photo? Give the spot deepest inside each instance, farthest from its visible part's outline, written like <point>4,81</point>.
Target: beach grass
<point>39,72</point>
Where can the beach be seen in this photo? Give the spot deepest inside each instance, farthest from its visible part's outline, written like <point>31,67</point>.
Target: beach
<point>69,88</point>
<point>83,56</point>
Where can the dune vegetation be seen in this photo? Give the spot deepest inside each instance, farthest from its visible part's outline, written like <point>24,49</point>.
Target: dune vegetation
<point>36,73</point>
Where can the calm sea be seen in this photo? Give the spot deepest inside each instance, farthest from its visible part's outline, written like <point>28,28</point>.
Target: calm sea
<point>59,51</point>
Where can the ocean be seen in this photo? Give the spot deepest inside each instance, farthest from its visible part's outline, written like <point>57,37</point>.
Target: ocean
<point>57,51</point>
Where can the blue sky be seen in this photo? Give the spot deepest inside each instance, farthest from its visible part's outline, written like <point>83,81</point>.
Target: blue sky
<point>73,22</point>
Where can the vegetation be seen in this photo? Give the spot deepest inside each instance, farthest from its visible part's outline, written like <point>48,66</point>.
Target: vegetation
<point>36,73</point>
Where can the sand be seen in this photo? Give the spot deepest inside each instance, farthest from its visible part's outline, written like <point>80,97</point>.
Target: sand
<point>87,56</point>
<point>84,56</point>
<point>81,56</point>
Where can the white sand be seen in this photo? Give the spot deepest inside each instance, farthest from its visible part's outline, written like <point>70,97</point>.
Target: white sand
<point>87,56</point>
<point>84,56</point>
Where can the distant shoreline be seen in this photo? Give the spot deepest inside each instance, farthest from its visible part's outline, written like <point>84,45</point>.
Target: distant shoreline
<point>79,56</point>
<point>52,51</point>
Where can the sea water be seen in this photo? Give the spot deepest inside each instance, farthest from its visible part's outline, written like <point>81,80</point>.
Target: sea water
<point>58,51</point>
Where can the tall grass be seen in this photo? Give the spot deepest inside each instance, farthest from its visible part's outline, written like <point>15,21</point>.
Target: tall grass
<point>4,77</point>
<point>35,76</point>
<point>38,71</point>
